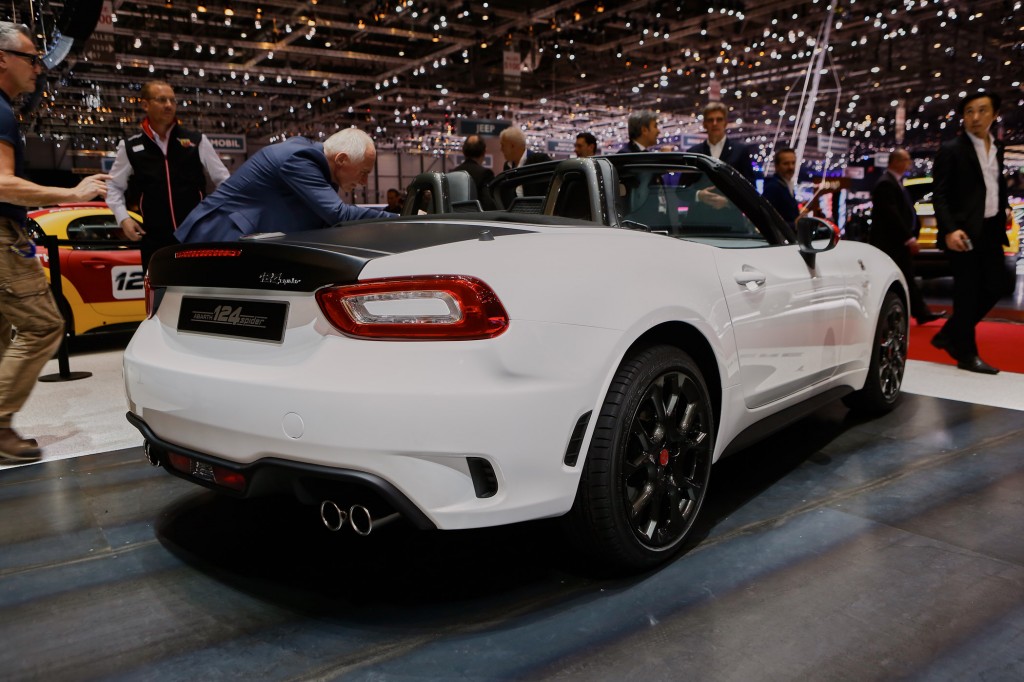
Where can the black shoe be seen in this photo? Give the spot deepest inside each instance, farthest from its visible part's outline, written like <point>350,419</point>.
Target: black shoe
<point>931,317</point>
<point>976,364</point>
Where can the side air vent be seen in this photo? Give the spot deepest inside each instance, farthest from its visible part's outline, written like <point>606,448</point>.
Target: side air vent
<point>572,452</point>
<point>485,483</point>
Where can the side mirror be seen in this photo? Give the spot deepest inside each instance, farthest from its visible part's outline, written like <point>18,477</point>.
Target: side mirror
<point>814,236</point>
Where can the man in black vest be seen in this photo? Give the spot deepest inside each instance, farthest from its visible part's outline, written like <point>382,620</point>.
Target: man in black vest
<point>167,166</point>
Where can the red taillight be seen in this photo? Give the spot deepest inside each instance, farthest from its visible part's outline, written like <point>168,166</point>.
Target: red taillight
<point>207,472</point>
<point>437,307</point>
<point>208,253</point>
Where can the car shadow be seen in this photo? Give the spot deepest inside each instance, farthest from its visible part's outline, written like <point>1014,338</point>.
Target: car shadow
<point>279,551</point>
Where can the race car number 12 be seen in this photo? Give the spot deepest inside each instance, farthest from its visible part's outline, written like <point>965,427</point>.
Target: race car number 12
<point>127,282</point>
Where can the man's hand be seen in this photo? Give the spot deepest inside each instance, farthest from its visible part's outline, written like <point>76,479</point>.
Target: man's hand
<point>957,240</point>
<point>912,245</point>
<point>132,230</point>
<point>712,197</point>
<point>90,188</point>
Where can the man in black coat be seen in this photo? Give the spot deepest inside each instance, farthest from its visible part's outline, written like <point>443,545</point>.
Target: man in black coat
<point>778,188</point>
<point>971,212</point>
<point>732,152</point>
<point>513,148</point>
<point>475,150</point>
<point>893,223</point>
<point>642,128</point>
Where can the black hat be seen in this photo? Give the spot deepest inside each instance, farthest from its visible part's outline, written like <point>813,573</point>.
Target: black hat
<point>978,94</point>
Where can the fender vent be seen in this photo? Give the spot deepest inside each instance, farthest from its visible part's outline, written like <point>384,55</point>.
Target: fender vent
<point>572,452</point>
<point>485,483</point>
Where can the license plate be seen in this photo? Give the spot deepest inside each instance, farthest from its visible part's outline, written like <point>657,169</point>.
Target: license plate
<point>260,320</point>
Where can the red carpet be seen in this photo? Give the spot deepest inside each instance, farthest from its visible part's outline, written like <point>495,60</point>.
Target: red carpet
<point>1000,344</point>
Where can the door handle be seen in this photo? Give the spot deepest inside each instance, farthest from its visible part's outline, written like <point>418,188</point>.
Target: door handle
<point>751,279</point>
<point>95,263</point>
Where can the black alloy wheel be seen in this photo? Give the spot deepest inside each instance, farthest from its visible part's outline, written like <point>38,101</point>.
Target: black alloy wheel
<point>888,359</point>
<point>648,465</point>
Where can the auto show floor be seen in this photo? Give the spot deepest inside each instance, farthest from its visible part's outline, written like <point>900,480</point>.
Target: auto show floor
<point>839,549</point>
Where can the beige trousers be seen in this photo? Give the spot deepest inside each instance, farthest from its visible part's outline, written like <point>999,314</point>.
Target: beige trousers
<point>27,307</point>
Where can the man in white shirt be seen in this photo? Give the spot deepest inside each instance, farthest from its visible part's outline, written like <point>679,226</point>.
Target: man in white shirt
<point>972,210</point>
<point>721,147</point>
<point>167,167</point>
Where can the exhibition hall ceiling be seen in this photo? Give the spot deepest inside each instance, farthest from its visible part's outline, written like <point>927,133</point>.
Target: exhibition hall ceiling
<point>407,71</point>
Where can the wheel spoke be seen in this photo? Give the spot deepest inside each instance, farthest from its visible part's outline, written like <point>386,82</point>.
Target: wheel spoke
<point>638,432</point>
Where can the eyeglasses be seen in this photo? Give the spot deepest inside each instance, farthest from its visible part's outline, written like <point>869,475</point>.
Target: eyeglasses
<point>163,100</point>
<point>33,59</point>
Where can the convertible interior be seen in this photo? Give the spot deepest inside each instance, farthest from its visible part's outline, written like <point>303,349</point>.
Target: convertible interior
<point>675,199</point>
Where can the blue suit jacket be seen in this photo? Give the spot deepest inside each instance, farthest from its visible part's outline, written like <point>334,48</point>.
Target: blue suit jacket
<point>285,187</point>
<point>778,194</point>
<point>736,154</point>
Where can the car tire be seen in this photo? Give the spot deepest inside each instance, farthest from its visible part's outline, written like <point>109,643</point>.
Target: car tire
<point>888,360</point>
<point>646,471</point>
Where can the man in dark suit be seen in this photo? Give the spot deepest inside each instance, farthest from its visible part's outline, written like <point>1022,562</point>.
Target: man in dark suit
<point>586,146</point>
<point>971,212</point>
<point>642,127</point>
<point>287,187</point>
<point>475,150</point>
<point>778,188</point>
<point>513,148</point>
<point>893,223</point>
<point>732,152</point>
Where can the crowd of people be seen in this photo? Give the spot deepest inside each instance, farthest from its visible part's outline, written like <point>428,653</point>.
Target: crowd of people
<point>296,184</point>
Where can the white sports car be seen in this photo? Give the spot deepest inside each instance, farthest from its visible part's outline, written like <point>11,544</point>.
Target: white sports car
<point>586,350</point>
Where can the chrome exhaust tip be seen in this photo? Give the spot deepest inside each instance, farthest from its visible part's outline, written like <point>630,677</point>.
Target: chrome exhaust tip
<point>360,519</point>
<point>332,516</point>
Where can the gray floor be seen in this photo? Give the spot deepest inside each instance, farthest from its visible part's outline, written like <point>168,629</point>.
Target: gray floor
<point>837,550</point>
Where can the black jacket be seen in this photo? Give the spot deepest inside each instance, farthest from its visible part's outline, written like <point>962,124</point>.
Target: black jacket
<point>958,193</point>
<point>892,216</point>
<point>736,154</point>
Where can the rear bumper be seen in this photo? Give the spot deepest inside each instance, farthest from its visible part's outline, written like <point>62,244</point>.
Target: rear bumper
<point>309,483</point>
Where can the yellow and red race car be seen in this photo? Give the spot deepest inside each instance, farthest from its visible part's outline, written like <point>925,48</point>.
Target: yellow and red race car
<point>101,283</point>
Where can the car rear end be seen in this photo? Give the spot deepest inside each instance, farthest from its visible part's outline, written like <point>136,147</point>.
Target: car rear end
<point>269,368</point>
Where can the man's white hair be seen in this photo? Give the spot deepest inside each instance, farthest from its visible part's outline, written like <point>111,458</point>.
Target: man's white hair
<point>513,135</point>
<point>352,142</point>
<point>9,34</point>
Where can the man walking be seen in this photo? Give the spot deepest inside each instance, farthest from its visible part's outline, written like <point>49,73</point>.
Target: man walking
<point>26,304</point>
<point>893,223</point>
<point>972,209</point>
<point>168,166</point>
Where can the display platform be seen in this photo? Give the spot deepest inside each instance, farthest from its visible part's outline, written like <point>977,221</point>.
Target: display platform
<point>836,550</point>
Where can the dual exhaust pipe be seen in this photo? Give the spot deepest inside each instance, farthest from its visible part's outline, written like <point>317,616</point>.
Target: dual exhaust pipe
<point>358,517</point>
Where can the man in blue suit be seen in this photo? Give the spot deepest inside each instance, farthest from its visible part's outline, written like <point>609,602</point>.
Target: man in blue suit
<point>732,152</point>
<point>287,187</point>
